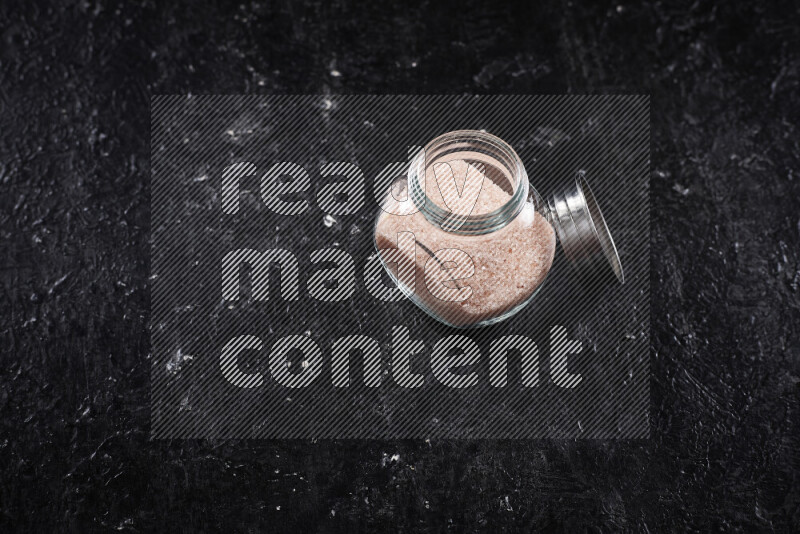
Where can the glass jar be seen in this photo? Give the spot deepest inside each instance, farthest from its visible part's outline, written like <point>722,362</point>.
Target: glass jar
<point>467,238</point>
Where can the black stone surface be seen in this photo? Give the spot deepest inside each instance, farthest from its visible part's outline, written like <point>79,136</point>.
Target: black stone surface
<point>75,81</point>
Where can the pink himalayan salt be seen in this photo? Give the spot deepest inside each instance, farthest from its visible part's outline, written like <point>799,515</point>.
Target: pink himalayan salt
<point>509,263</point>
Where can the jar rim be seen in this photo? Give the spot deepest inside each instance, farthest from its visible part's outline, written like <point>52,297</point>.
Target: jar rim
<point>473,141</point>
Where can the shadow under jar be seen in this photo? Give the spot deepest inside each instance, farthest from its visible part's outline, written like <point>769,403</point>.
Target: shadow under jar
<point>470,241</point>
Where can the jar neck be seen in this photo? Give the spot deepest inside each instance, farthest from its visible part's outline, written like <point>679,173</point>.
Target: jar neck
<point>498,162</point>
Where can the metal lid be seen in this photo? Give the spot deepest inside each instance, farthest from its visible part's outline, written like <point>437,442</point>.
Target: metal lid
<point>581,227</point>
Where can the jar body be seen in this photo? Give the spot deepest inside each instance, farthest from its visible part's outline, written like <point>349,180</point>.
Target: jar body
<point>463,234</point>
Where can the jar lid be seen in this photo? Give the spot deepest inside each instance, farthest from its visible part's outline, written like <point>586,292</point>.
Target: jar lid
<point>581,227</point>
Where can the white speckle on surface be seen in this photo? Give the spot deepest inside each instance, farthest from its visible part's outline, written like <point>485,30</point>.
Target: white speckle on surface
<point>177,360</point>
<point>184,404</point>
<point>329,220</point>
<point>386,459</point>
<point>125,524</point>
<point>335,73</point>
<point>678,188</point>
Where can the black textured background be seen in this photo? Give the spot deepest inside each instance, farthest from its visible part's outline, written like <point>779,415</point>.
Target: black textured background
<point>75,83</point>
